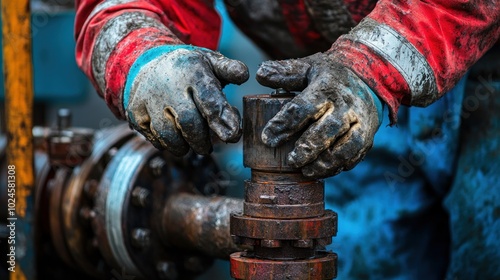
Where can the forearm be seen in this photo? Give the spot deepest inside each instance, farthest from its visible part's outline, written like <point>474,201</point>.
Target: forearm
<point>417,51</point>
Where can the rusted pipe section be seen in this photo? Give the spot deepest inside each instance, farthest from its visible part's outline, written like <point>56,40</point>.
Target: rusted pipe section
<point>283,217</point>
<point>200,223</point>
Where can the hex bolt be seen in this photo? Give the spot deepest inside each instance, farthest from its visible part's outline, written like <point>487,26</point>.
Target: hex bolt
<point>270,243</point>
<point>140,196</point>
<point>303,243</point>
<point>141,237</point>
<point>167,270</point>
<point>156,164</point>
<point>63,119</point>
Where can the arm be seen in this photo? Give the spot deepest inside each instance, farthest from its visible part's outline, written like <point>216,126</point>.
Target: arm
<point>112,34</point>
<point>138,55</point>
<point>418,50</point>
<point>405,52</point>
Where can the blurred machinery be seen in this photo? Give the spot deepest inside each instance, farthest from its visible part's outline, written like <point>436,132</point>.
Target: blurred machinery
<point>110,205</point>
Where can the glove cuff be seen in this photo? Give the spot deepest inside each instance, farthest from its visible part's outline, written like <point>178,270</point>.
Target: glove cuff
<point>389,64</point>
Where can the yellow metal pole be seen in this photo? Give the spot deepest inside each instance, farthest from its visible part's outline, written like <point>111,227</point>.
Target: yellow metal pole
<point>18,80</point>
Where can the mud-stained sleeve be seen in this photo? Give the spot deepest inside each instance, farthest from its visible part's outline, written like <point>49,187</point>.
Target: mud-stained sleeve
<point>412,52</point>
<point>112,34</point>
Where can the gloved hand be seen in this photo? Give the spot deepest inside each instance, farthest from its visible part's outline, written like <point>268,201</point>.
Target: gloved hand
<point>337,114</point>
<point>173,96</point>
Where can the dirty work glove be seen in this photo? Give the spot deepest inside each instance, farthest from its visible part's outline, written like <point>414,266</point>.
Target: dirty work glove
<point>173,96</point>
<point>336,112</point>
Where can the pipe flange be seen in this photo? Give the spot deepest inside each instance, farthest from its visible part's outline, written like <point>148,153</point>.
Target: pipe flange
<point>77,209</point>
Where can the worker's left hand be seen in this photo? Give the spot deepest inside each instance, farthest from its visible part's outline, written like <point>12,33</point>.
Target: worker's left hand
<point>336,112</point>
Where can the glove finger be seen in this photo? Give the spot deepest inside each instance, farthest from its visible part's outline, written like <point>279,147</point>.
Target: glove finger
<point>222,118</point>
<point>320,136</point>
<point>288,74</point>
<point>139,120</point>
<point>193,127</point>
<point>227,70</point>
<point>294,116</point>
<point>344,154</point>
<point>168,136</point>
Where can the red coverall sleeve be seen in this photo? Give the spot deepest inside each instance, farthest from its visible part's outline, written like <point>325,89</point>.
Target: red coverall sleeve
<point>412,52</point>
<point>112,34</point>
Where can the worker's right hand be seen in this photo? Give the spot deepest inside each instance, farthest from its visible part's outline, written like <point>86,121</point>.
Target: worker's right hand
<point>336,114</point>
<point>173,96</point>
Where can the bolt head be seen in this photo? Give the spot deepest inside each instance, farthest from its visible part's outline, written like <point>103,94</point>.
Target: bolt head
<point>141,238</point>
<point>140,196</point>
<point>156,164</point>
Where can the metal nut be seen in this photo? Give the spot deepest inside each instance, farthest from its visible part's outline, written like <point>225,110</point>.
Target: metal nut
<point>141,237</point>
<point>140,196</point>
<point>156,164</point>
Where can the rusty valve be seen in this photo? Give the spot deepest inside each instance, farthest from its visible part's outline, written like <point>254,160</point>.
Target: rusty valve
<point>283,217</point>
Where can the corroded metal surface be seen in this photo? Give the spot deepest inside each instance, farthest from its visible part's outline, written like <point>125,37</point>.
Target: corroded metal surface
<point>257,111</point>
<point>289,197</point>
<point>201,223</point>
<point>128,209</point>
<point>56,188</point>
<point>283,219</point>
<point>285,229</point>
